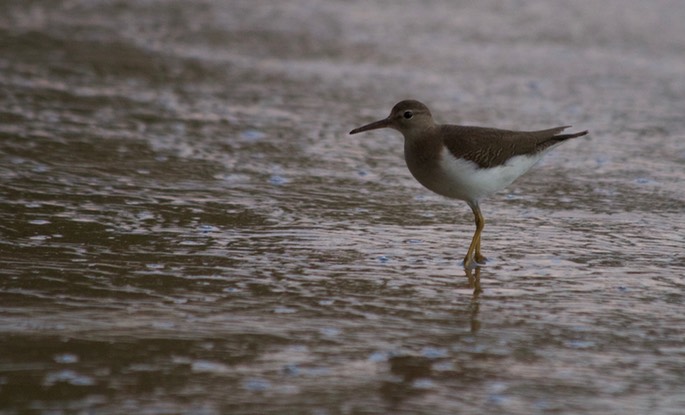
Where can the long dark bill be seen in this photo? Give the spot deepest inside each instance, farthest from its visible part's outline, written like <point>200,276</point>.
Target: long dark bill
<point>384,123</point>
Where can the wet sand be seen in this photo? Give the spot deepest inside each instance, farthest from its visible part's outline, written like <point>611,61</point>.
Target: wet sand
<point>187,227</point>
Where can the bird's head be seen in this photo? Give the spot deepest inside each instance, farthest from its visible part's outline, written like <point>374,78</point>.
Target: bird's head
<point>407,117</point>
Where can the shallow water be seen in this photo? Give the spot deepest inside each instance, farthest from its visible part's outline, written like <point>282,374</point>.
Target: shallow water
<point>187,227</point>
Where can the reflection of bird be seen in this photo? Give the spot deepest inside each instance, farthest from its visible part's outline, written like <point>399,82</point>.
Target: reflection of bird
<point>474,306</point>
<point>463,162</point>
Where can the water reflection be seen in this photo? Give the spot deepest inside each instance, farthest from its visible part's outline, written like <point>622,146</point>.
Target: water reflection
<point>414,374</point>
<point>410,376</point>
<point>473,276</point>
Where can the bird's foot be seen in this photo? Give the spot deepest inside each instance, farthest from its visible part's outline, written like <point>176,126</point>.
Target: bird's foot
<point>470,263</point>
<point>474,261</point>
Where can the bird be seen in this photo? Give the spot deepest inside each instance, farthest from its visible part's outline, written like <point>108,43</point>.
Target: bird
<point>466,162</point>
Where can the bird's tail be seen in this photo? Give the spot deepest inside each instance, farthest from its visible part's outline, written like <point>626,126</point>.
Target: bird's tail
<point>554,138</point>
<point>564,137</point>
<point>568,136</point>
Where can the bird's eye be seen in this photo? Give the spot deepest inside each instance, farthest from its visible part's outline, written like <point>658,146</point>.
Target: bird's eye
<point>407,115</point>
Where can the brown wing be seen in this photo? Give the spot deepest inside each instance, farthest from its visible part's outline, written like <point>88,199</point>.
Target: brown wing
<point>490,147</point>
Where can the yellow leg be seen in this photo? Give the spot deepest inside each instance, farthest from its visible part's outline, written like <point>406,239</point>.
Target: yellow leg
<point>474,248</point>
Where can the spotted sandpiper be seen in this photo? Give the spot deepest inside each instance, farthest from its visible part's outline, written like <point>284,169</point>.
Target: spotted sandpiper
<point>466,162</point>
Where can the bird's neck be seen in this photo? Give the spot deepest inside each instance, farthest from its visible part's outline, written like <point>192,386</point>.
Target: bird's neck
<point>422,147</point>
<point>421,134</point>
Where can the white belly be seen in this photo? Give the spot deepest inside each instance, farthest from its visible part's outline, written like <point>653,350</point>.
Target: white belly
<point>462,179</point>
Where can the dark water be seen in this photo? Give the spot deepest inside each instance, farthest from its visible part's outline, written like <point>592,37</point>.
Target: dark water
<point>186,227</point>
